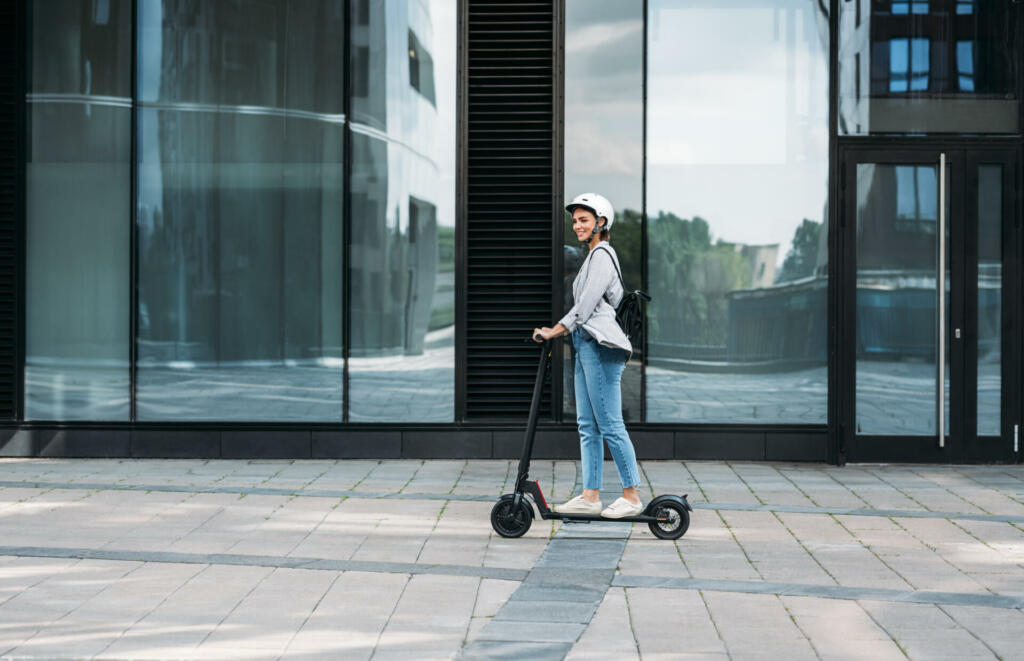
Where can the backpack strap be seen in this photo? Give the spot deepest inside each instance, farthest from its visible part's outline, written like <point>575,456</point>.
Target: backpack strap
<point>617,272</point>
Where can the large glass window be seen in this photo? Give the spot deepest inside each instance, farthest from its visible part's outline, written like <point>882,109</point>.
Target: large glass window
<point>737,173</point>
<point>240,201</point>
<point>78,204</point>
<point>604,117</point>
<point>944,66</point>
<point>402,350</point>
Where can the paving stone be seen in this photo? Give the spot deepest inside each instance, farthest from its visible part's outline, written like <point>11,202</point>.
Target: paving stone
<point>545,632</point>
<point>609,635</point>
<point>548,611</point>
<point>820,536</point>
<point>497,650</point>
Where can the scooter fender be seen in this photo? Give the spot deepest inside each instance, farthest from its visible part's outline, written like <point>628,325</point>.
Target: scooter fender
<point>649,510</point>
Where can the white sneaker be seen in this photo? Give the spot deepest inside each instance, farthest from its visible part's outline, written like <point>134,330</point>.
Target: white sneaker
<point>620,508</point>
<point>579,505</point>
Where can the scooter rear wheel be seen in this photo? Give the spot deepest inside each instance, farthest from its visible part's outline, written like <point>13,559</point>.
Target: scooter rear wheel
<point>677,520</point>
<point>509,520</point>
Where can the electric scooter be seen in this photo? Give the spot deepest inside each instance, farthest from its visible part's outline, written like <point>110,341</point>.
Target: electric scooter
<point>667,516</point>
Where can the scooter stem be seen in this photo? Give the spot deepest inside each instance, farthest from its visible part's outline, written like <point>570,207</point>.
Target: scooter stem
<point>531,424</point>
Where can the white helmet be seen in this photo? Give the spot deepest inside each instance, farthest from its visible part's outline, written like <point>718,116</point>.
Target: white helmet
<point>596,204</point>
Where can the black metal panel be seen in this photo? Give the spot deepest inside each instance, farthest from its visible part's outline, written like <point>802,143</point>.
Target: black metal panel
<point>790,446</point>
<point>11,201</point>
<point>446,444</point>
<point>259,444</point>
<point>175,444</point>
<point>738,446</point>
<point>357,444</point>
<point>92,442</point>
<point>510,189</point>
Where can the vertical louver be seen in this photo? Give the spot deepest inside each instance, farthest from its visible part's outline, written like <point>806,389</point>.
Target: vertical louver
<point>10,191</point>
<point>509,192</point>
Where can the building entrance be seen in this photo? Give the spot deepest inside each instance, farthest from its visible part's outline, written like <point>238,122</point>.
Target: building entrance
<point>929,306</point>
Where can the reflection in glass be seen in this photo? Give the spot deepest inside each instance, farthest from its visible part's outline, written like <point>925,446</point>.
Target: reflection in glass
<point>402,271</point>
<point>78,204</point>
<point>240,144</point>
<point>736,197</point>
<point>603,150</point>
<point>896,300</point>
<point>945,66</point>
<point>990,299</point>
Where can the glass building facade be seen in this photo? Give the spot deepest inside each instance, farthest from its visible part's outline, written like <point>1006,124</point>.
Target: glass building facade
<point>259,215</point>
<point>289,171</point>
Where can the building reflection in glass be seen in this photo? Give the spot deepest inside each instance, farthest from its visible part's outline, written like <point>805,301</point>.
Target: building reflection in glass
<point>239,216</point>
<point>604,151</point>
<point>402,364</point>
<point>241,220</point>
<point>897,259</point>
<point>938,66</point>
<point>737,172</point>
<point>78,202</point>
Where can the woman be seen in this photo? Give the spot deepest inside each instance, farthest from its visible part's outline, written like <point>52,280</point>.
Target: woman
<point>602,350</point>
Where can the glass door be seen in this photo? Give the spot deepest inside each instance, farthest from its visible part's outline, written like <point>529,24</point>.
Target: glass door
<point>925,343</point>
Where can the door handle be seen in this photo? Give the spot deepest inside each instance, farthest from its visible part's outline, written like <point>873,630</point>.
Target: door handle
<point>957,333</point>
<point>941,293</point>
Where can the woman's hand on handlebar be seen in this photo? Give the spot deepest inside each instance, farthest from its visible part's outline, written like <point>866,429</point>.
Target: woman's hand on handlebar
<point>545,333</point>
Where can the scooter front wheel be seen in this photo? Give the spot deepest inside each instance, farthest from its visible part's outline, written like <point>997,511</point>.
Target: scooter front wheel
<point>508,520</point>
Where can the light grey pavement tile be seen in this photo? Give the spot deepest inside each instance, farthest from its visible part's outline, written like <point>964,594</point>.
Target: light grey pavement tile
<point>349,618</point>
<point>672,623</point>
<point>430,619</point>
<point>646,554</point>
<point>669,477</point>
<point>515,651</point>
<point>394,530</point>
<point>877,493</point>
<point>709,550</point>
<point>971,485</point>
<point>483,477</point>
<point>491,595</point>
<point>999,628</point>
<point>259,520</point>
<point>609,635</point>
<point>564,481</point>
<point>389,475</point>
<point>519,553</point>
<point>720,483</point>
<point>266,618</point>
<point>757,625</point>
<point>41,609</point>
<point>770,485</point>
<point>191,611</point>
<point>840,629</point>
<point>772,550</point>
<point>925,631</point>
<point>455,538</point>
<point>820,487</point>
<point>437,476</point>
<point>841,553</point>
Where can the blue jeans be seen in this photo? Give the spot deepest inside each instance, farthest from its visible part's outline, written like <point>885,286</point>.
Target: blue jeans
<point>599,411</point>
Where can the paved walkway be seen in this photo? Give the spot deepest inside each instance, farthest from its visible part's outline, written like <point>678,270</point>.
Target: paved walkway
<point>396,559</point>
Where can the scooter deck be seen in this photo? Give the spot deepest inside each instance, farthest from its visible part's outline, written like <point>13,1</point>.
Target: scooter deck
<point>587,518</point>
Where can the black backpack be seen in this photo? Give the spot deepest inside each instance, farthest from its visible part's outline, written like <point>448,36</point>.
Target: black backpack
<point>630,312</point>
